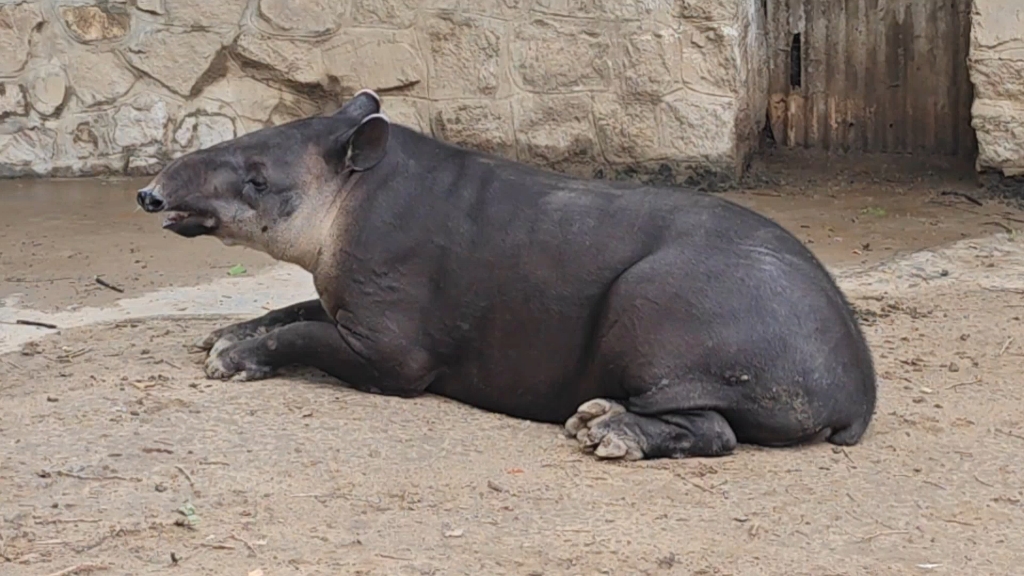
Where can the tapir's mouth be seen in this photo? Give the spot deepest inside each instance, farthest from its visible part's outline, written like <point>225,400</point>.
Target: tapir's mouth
<point>190,224</point>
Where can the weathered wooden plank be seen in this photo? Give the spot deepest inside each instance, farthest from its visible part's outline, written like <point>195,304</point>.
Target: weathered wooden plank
<point>874,75</point>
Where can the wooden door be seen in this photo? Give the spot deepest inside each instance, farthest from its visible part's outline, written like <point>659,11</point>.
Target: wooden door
<point>884,76</point>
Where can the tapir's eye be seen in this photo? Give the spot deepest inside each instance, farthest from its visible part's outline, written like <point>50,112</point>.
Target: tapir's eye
<point>258,182</point>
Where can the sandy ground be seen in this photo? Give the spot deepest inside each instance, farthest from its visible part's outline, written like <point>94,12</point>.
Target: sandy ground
<point>117,456</point>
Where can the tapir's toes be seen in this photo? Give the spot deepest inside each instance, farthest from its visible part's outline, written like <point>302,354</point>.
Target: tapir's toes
<point>594,427</point>
<point>589,411</point>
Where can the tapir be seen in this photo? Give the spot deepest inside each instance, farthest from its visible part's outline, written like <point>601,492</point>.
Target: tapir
<point>648,321</point>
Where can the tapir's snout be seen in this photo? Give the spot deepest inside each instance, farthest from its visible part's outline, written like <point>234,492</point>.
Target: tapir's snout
<point>150,200</point>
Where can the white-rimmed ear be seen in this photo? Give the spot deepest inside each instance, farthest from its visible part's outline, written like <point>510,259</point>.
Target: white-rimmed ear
<point>369,143</point>
<point>364,103</point>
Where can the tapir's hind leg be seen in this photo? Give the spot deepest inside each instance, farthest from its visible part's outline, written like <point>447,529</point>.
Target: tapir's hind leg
<point>609,431</point>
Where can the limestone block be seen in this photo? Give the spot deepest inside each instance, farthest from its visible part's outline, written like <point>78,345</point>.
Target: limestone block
<point>557,132</point>
<point>709,59</point>
<point>239,96</point>
<point>465,55</point>
<point>553,55</point>
<point>140,122</point>
<point>96,23</point>
<point>998,78</point>
<point>97,77</point>
<point>88,135</point>
<point>377,59</point>
<point>483,125</point>
<point>499,9</point>
<point>606,9</point>
<point>648,61</point>
<point>16,24</point>
<point>409,112</point>
<point>199,131</point>
<point>386,13</point>
<point>290,59</point>
<point>626,130</point>
<point>704,10</point>
<point>698,127</point>
<point>997,24</point>
<point>12,100</point>
<point>47,88</point>
<point>1000,129</point>
<point>27,151</point>
<point>303,16</point>
<point>151,6</point>
<point>175,59</point>
<point>205,13</point>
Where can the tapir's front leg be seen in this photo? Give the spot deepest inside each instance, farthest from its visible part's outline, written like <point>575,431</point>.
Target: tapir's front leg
<point>395,369</point>
<point>309,311</point>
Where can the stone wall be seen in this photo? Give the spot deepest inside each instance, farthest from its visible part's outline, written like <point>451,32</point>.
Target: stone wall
<point>997,71</point>
<point>584,86</point>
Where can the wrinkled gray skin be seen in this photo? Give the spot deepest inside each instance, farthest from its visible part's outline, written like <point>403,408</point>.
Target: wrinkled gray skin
<point>652,322</point>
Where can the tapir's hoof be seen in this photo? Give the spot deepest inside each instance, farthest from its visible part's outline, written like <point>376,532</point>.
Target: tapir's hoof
<point>593,428</point>
<point>227,361</point>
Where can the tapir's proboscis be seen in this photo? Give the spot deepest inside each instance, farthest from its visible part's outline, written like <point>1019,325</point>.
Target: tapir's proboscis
<point>649,321</point>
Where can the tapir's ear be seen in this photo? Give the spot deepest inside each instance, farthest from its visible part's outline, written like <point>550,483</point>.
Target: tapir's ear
<point>364,103</point>
<point>369,143</point>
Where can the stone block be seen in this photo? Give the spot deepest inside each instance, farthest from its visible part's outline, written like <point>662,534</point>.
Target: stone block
<point>17,21</point>
<point>498,9</point>
<point>465,54</point>
<point>626,130</point>
<point>47,88</point>
<point>557,132</point>
<point>410,112</point>
<point>205,14</point>
<point>483,125</point>
<point>174,58</point>
<point>559,56</point>
<point>12,100</point>
<point>709,59</point>
<point>385,13</point>
<point>704,10</point>
<point>141,122</point>
<point>239,96</point>
<point>97,77</point>
<point>289,59</point>
<point>376,59</point>
<point>151,6</point>
<point>1000,130</point>
<point>199,131</point>
<point>96,23</point>
<point>998,78</point>
<point>648,61</point>
<point>27,152</point>
<point>616,10</point>
<point>699,128</point>
<point>308,17</point>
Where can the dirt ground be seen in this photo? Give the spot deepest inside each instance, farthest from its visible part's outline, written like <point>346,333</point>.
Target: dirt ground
<point>117,456</point>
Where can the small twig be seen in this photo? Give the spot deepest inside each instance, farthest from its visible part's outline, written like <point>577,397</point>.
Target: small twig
<point>1010,434</point>
<point>695,484</point>
<point>188,476</point>
<point>1001,225</point>
<point>963,195</point>
<point>109,286</point>
<point>218,546</point>
<point>936,484</point>
<point>1009,290</point>
<point>1005,346</point>
<point>81,477</point>
<point>14,279</point>
<point>390,557</point>
<point>247,544</point>
<point>960,522</point>
<point>80,569</point>
<point>883,533</point>
<point>34,323</point>
<point>12,365</point>
<point>68,521</point>
<point>171,364</point>
<point>982,482</point>
<point>977,380</point>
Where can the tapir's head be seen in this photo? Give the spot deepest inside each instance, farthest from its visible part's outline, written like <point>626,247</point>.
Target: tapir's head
<point>273,189</point>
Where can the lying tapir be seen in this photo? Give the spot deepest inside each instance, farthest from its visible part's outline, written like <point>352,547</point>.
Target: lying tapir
<point>651,321</point>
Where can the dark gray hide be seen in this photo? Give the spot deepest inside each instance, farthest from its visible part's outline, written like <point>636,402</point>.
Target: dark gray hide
<point>651,321</point>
